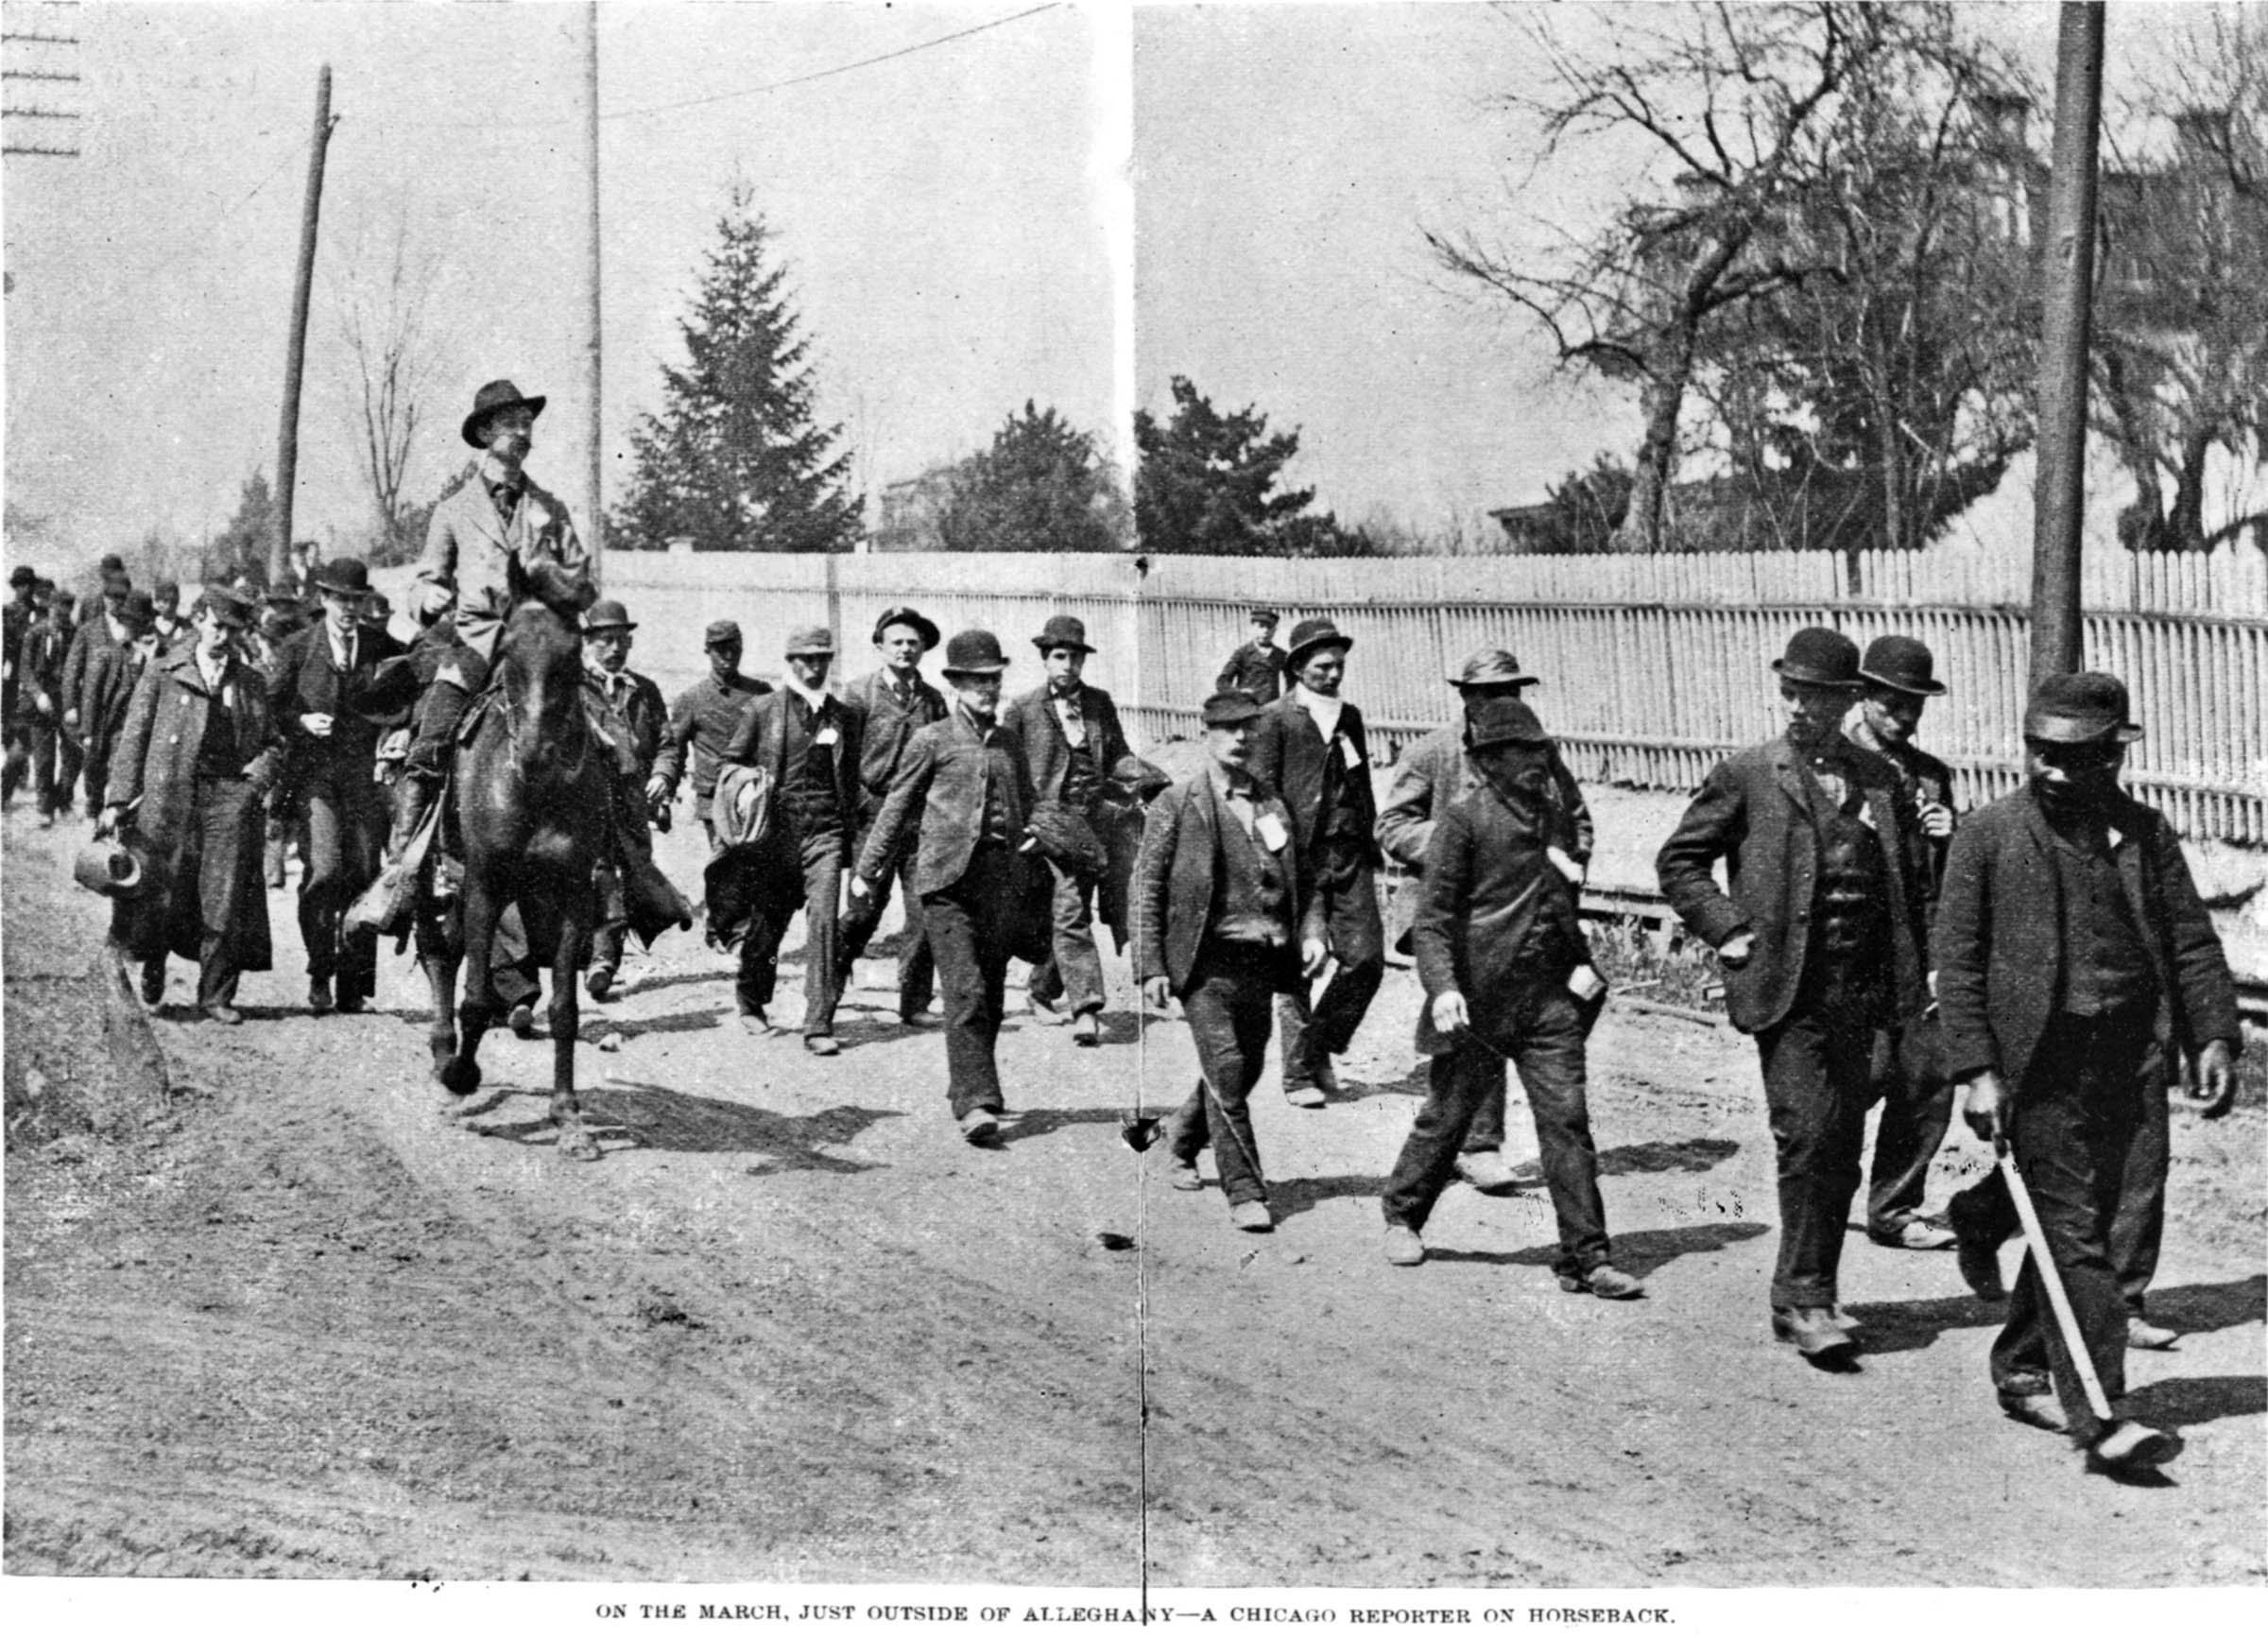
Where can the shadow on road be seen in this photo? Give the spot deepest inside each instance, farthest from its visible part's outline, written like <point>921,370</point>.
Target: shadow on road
<point>1901,1327</point>
<point>1031,1123</point>
<point>658,1117</point>
<point>2186,1401</point>
<point>1640,1252</point>
<point>1692,1154</point>
<point>1292,1195</point>
<point>2214,1307</point>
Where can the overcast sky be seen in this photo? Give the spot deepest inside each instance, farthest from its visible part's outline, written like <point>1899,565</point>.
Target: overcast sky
<point>943,214</point>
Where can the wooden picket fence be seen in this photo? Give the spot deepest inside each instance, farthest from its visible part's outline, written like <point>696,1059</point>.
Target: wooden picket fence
<point>1652,668</point>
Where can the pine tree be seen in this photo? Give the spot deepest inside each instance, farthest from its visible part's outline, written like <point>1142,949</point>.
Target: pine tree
<point>734,459</point>
<point>1206,481</point>
<point>1042,487</point>
<point>242,546</point>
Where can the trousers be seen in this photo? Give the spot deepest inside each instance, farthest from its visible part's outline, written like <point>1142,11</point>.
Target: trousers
<point>1313,1033</point>
<point>1817,1063</point>
<point>2094,1088</point>
<point>916,965</point>
<point>1228,1006</point>
<point>818,854</point>
<point>1548,1045</point>
<point>346,828</point>
<point>968,930</point>
<point>1073,972</point>
<point>1906,1078</point>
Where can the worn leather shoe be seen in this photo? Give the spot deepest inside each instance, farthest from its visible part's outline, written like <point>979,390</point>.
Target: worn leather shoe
<point>822,1045</point>
<point>1305,1096</point>
<point>221,1013</point>
<point>1044,1012</point>
<point>1182,1175</point>
<point>1484,1170</point>
<point>2133,1445</point>
<point>318,996</point>
<point>1914,1235</point>
<point>1086,1031</point>
<point>1405,1250</point>
<point>1812,1330</point>
<point>352,1001</point>
<point>523,1022</point>
<point>599,982</point>
<point>2141,1334</point>
<point>1979,1261</point>
<point>1604,1280</point>
<point>1253,1216</point>
<point>153,983</point>
<point>980,1126</point>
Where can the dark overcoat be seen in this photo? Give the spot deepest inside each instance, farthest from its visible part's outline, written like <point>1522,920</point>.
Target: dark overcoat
<point>1178,884</point>
<point>760,741</point>
<point>1754,812</point>
<point>156,761</point>
<point>306,681</point>
<point>2002,959</point>
<point>105,693</point>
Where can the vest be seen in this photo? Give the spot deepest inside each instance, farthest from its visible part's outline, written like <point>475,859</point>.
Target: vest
<point>2106,967</point>
<point>1255,904</point>
<point>807,782</point>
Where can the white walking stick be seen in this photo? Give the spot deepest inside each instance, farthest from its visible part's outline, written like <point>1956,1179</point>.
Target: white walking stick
<point>2049,1277</point>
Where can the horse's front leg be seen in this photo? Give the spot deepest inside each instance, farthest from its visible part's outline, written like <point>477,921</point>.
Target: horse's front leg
<point>440,945</point>
<point>476,1009</point>
<point>568,954</point>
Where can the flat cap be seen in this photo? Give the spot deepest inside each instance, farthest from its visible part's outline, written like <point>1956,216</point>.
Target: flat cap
<point>720,631</point>
<point>1230,707</point>
<point>809,640</point>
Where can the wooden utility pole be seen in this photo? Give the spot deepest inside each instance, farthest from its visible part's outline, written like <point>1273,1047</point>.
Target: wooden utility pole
<point>2060,493</point>
<point>594,519</point>
<point>295,358</point>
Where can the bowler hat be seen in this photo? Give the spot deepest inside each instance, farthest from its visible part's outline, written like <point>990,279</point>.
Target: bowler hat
<point>1230,707</point>
<point>809,640</point>
<point>1316,633</point>
<point>1501,722</point>
<point>226,605</point>
<point>2079,707</point>
<point>140,610</point>
<point>1823,658</point>
<point>494,396</point>
<point>23,574</point>
<point>110,563</point>
<point>1489,666</point>
<point>901,615</point>
<point>348,576</point>
<point>1063,631</point>
<point>975,652</point>
<point>719,633</point>
<point>607,615</point>
<point>1904,664</point>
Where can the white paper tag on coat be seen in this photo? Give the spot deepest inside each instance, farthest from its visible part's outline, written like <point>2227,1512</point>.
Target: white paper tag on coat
<point>1348,753</point>
<point>1271,831</point>
<point>826,735</point>
<point>1867,816</point>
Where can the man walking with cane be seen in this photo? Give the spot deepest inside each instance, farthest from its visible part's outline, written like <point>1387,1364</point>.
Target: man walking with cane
<point>2074,955</point>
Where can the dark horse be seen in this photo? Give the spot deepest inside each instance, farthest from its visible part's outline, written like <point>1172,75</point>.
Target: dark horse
<point>532,787</point>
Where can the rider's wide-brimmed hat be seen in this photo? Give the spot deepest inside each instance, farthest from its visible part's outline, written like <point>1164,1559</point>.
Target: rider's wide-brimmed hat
<point>494,396</point>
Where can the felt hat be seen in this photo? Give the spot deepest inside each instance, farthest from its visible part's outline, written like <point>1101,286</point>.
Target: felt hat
<point>1904,664</point>
<point>23,574</point>
<point>975,652</point>
<point>2079,708</point>
<point>348,576</point>
<point>1501,722</point>
<point>494,396</point>
<point>607,615</point>
<point>1823,658</point>
<point>1491,665</point>
<point>140,610</point>
<point>1230,707</point>
<point>809,640</point>
<point>720,631</point>
<point>901,615</point>
<point>1319,632</point>
<point>229,606</point>
<point>1063,631</point>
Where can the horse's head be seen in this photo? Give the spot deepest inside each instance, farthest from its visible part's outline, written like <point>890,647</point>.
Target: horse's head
<point>538,645</point>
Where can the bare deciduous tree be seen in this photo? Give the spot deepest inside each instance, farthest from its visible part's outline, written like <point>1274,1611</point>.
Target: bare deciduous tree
<point>392,359</point>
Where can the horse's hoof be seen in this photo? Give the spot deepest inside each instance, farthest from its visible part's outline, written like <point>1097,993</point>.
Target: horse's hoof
<point>458,1077</point>
<point>578,1145</point>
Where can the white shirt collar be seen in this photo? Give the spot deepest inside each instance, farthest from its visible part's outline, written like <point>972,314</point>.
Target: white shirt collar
<point>814,698</point>
<point>1324,708</point>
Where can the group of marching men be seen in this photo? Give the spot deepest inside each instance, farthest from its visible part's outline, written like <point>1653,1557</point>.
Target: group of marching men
<point>2045,959</point>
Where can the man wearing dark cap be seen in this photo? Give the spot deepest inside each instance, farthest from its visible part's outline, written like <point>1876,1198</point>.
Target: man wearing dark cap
<point>20,615</point>
<point>631,703</point>
<point>198,751</point>
<point>1507,974</point>
<point>1220,921</point>
<point>963,800</point>
<point>1917,1100</point>
<point>327,694</point>
<point>109,686</point>
<point>100,631</point>
<point>1310,748</point>
<point>1430,775</point>
<point>2074,959</point>
<point>40,696</point>
<point>703,721</point>
<point>1823,940</point>
<point>808,744</point>
<point>1072,739</point>
<point>892,704</point>
<point>1257,665</point>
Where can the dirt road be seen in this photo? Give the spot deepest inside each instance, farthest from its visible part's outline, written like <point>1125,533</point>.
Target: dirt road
<point>790,1328</point>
